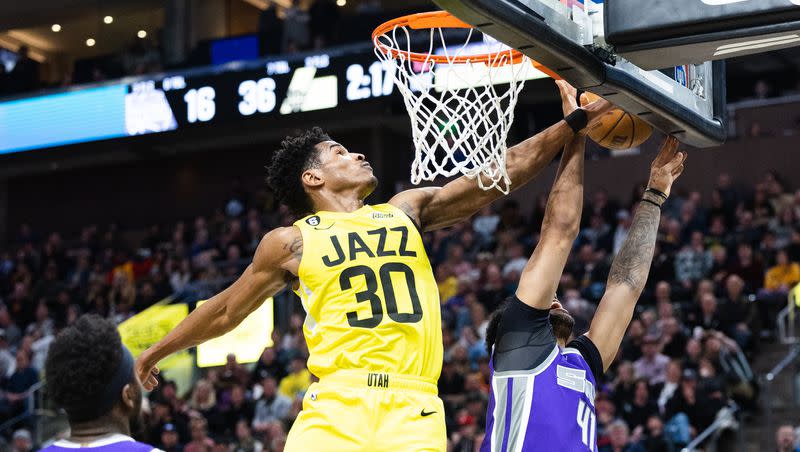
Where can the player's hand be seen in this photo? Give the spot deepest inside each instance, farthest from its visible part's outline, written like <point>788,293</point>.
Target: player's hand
<point>569,94</point>
<point>667,166</point>
<point>147,373</point>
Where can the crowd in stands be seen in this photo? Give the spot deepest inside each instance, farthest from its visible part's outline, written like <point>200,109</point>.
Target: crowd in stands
<point>723,265</point>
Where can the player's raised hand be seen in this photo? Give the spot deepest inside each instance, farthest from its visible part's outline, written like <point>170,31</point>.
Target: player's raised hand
<point>148,374</point>
<point>569,94</point>
<point>667,166</point>
<point>569,103</point>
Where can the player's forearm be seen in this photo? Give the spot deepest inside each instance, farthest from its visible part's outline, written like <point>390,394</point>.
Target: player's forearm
<point>632,264</point>
<point>565,202</point>
<point>527,159</point>
<point>206,322</point>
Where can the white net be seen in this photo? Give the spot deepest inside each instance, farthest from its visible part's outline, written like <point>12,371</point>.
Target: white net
<point>461,110</point>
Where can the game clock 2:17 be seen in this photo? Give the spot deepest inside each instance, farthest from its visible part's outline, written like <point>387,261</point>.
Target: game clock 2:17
<point>376,81</point>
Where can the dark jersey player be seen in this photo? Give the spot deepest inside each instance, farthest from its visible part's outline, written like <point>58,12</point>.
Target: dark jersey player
<point>90,374</point>
<point>543,386</point>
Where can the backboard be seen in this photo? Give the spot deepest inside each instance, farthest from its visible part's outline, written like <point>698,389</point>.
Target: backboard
<point>674,32</point>
<point>569,39</point>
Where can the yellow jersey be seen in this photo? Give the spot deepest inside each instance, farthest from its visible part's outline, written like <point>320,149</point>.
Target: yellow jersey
<point>369,294</point>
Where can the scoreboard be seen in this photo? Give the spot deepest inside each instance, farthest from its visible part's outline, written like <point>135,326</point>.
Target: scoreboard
<point>227,93</point>
<point>280,87</point>
<point>231,92</point>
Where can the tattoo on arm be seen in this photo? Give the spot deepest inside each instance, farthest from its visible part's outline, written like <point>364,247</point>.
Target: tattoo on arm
<point>632,263</point>
<point>409,210</point>
<point>295,247</point>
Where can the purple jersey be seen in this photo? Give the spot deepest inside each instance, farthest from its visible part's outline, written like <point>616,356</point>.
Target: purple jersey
<point>112,443</point>
<point>548,408</point>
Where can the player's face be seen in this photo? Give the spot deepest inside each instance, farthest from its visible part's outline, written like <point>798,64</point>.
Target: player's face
<point>342,170</point>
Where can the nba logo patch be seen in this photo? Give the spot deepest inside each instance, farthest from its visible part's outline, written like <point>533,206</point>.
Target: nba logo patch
<point>681,75</point>
<point>313,221</point>
<point>313,396</point>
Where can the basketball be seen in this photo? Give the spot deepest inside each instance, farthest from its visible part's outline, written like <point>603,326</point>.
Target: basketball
<point>617,129</point>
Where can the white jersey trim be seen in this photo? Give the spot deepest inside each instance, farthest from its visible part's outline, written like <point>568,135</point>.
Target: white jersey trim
<point>108,440</point>
<point>533,372</point>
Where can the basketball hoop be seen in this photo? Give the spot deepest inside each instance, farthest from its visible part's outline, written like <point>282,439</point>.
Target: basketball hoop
<point>460,117</point>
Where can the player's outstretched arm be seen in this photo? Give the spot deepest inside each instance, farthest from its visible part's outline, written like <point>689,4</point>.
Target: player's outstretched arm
<point>276,256</point>
<point>439,207</point>
<point>562,218</point>
<point>630,268</point>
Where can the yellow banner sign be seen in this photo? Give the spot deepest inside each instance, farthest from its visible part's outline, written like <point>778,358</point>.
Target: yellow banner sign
<point>150,326</point>
<point>246,341</point>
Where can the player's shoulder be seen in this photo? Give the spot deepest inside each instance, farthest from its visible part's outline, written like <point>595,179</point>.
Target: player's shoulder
<point>278,238</point>
<point>278,245</point>
<point>411,201</point>
<point>582,352</point>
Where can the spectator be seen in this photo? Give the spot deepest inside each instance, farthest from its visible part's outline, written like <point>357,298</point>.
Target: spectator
<point>12,332</point>
<point>271,407</point>
<point>22,441</point>
<point>637,411</point>
<point>17,385</point>
<point>666,390</point>
<point>203,400</point>
<point>24,76</point>
<point>693,261</point>
<point>170,442</point>
<point>485,224</point>
<point>268,364</point>
<point>783,276</point>
<point>7,360</point>
<point>741,317</point>
<point>624,222</point>
<point>698,409</point>
<point>673,337</point>
<point>244,439</point>
<point>747,266</point>
<point>270,31</point>
<point>239,408</point>
<point>652,366</point>
<point>296,34</point>
<point>785,438</point>
<point>200,441</point>
<point>654,440</point>
<point>324,23</point>
<point>620,439</point>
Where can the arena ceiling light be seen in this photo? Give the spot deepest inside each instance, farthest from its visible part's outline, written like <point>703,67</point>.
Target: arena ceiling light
<point>341,2</point>
<point>90,42</point>
<point>141,34</point>
<point>108,19</point>
<point>56,28</point>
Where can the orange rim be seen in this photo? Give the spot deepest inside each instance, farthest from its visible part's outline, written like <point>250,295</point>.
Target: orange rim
<point>443,19</point>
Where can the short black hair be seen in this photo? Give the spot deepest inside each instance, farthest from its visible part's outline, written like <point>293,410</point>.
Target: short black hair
<point>297,154</point>
<point>83,358</point>
<point>491,327</point>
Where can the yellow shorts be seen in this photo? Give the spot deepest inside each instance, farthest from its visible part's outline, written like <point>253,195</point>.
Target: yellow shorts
<point>351,411</point>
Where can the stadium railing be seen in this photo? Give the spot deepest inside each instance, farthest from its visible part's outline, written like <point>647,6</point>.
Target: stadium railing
<point>40,417</point>
<point>708,439</point>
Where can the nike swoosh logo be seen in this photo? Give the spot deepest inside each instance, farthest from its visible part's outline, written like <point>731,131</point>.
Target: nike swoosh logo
<point>325,229</point>
<point>423,413</point>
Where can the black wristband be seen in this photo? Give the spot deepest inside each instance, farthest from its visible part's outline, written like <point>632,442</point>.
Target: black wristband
<point>577,120</point>
<point>652,202</point>
<point>656,192</point>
